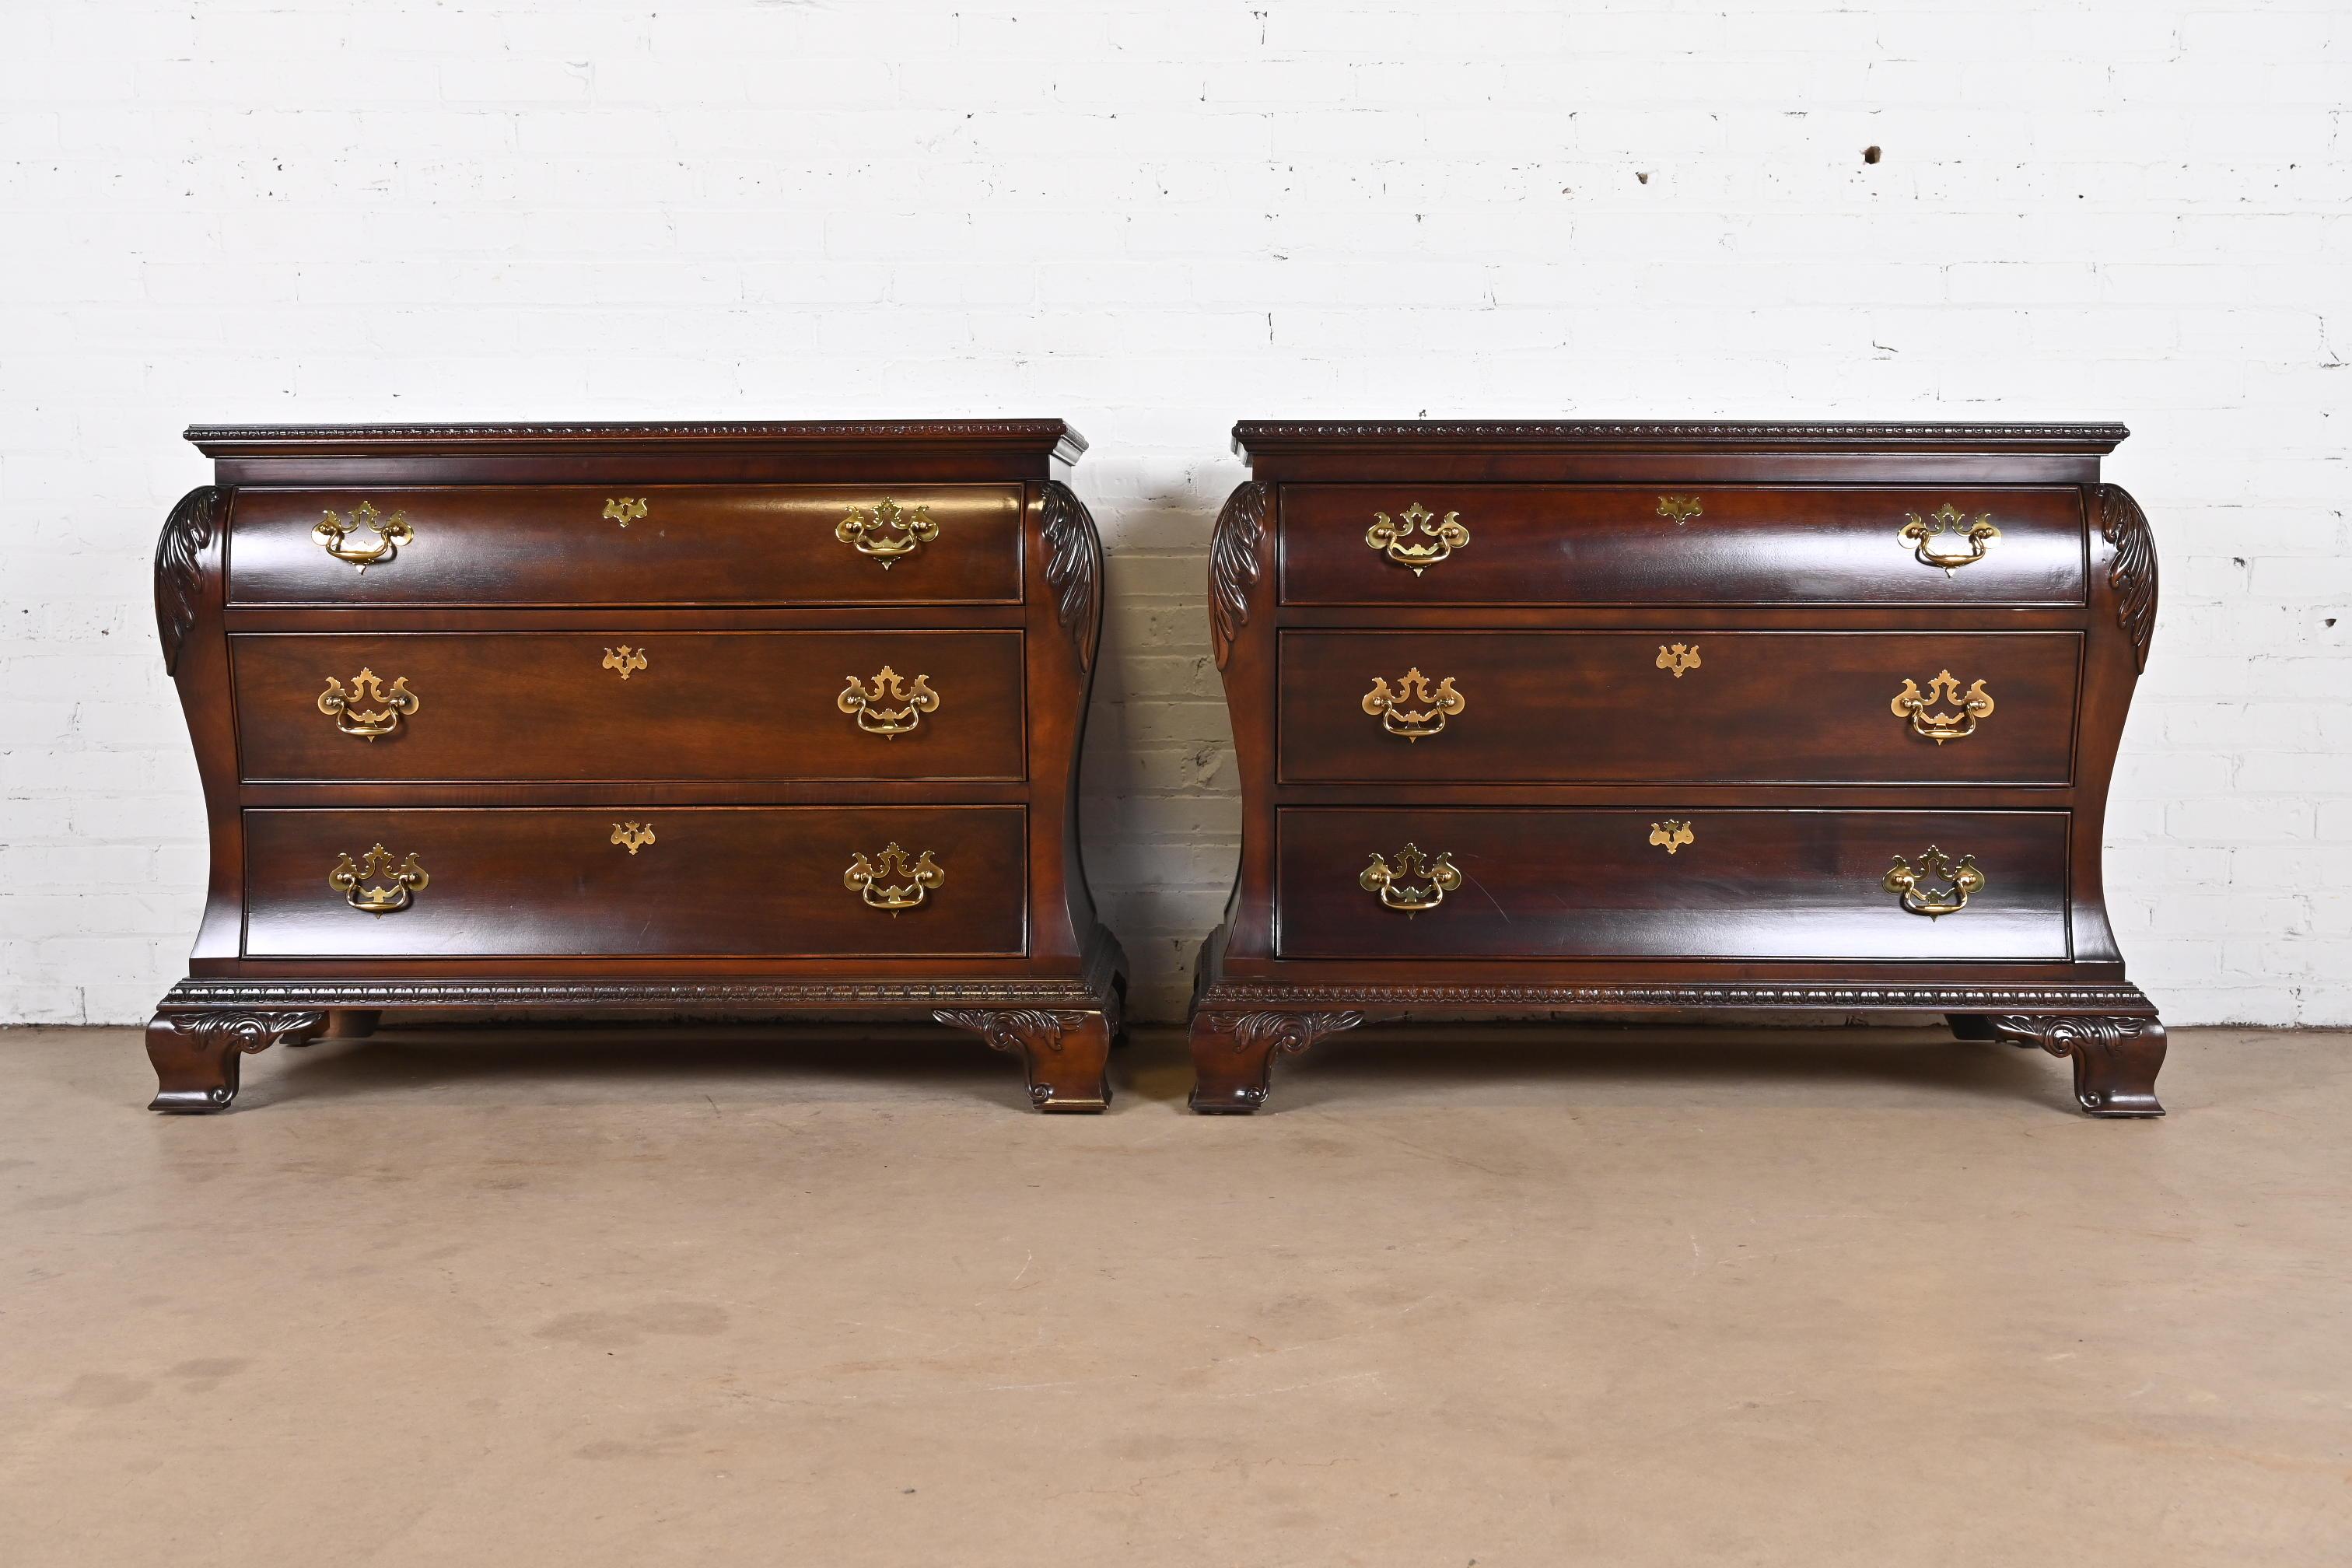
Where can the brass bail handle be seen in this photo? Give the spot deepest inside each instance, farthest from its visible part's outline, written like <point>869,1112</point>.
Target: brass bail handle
<point>391,532</point>
<point>1957,725</point>
<point>378,885</point>
<point>1914,885</point>
<point>1413,708</point>
<point>369,709</point>
<point>1921,534</point>
<point>1414,883</point>
<point>887,532</point>
<point>1419,538</point>
<point>891,880</point>
<point>888,706</point>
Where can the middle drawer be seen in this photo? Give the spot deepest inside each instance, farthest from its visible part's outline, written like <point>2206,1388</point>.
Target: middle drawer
<point>416,707</point>
<point>1659,708</point>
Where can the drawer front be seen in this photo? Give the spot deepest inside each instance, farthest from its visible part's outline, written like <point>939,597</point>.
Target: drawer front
<point>1663,883</point>
<point>1697,708</point>
<point>765,882</point>
<point>1626,544</point>
<point>770,544</point>
<point>626,704</point>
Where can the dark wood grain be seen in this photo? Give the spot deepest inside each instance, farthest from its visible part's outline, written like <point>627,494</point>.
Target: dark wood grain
<point>750,706</point>
<point>1778,750</point>
<point>1568,883</point>
<point>1608,544</point>
<point>1596,707</point>
<point>694,545</point>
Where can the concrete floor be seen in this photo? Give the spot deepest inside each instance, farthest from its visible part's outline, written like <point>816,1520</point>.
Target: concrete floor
<point>1609,1297</point>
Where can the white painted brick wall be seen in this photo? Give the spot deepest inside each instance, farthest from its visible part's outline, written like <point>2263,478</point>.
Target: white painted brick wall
<point>1152,218</point>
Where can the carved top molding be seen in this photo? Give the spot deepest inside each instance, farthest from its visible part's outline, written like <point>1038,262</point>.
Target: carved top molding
<point>1052,436</point>
<point>1260,435</point>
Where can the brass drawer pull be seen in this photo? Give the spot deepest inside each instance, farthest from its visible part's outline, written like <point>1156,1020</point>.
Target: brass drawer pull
<point>887,531</point>
<point>1672,835</point>
<point>1395,539</point>
<point>1912,703</point>
<point>390,534</point>
<point>1413,708</point>
<point>889,707</point>
<point>632,837</point>
<point>1682,509</point>
<point>383,710</point>
<point>396,883</point>
<point>625,659</point>
<point>891,881</point>
<point>1411,884</point>
<point>626,510</point>
<point>1959,881</point>
<point>1920,533</point>
<point>1682,659</point>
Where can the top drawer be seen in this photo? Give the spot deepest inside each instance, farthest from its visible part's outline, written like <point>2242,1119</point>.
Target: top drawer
<point>1709,544</point>
<point>701,545</point>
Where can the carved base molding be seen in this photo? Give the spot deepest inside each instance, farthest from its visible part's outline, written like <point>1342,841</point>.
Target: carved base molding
<point>1062,1030</point>
<point>2110,1031</point>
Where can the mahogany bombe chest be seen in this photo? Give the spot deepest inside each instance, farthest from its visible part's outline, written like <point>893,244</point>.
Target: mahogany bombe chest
<point>715,721</point>
<point>1548,719</point>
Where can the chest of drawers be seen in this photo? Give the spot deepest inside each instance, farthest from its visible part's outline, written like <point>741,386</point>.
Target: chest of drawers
<point>1538,720</point>
<point>743,721</point>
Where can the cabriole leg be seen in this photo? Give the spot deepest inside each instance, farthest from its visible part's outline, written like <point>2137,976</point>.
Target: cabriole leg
<point>2117,1057</point>
<point>195,1053</point>
<point>1233,1053</point>
<point>1066,1055</point>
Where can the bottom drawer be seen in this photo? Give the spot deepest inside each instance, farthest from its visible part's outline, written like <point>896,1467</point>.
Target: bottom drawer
<point>720,882</point>
<point>1662,883</point>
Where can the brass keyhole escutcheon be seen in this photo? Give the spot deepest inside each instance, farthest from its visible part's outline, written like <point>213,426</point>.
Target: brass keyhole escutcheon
<point>1921,532</point>
<point>626,510</point>
<point>887,531</point>
<point>369,709</point>
<point>892,881</point>
<point>391,533</point>
<point>1957,725</point>
<point>1411,883</point>
<point>1672,835</point>
<point>1402,540</point>
<point>1680,657</point>
<point>1413,707</point>
<point>1681,508</point>
<point>377,884</point>
<point>632,837</point>
<point>1935,887</point>
<point>624,660</point>
<point>888,707</point>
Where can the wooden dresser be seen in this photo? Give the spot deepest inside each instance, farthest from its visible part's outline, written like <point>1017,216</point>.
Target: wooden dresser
<point>1547,719</point>
<point>727,722</point>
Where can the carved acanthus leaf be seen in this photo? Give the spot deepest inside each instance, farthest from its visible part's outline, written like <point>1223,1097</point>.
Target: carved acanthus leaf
<point>1234,564</point>
<point>2132,574</point>
<point>179,565</point>
<point>1288,1033</point>
<point>1018,1030</point>
<point>253,1032</point>
<point>1074,568</point>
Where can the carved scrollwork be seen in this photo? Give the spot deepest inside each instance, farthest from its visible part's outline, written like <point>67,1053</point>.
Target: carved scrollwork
<point>1287,1034</point>
<point>194,524</point>
<point>1074,567</point>
<point>2116,1056</point>
<point>1234,564</point>
<point>1036,1037</point>
<point>2132,574</point>
<point>252,1033</point>
<point>1015,1029</point>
